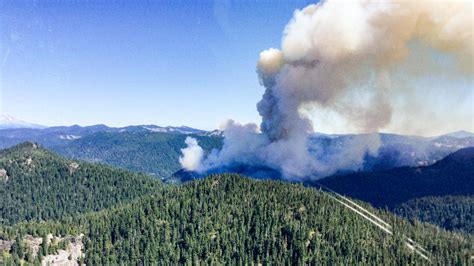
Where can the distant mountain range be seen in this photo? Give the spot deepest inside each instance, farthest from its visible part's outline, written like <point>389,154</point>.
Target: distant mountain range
<point>62,135</point>
<point>155,150</point>
<point>10,122</point>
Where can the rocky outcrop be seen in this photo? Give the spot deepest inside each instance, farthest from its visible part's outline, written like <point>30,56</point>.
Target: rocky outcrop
<point>69,257</point>
<point>3,175</point>
<point>73,167</point>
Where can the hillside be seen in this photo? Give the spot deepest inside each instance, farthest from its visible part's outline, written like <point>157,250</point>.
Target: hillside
<point>441,194</point>
<point>228,219</point>
<point>36,184</point>
<point>450,212</point>
<point>155,154</point>
<point>453,175</point>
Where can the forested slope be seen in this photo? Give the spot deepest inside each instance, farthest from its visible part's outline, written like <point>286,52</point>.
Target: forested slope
<point>453,175</point>
<point>228,219</point>
<point>450,212</point>
<point>36,184</point>
<point>153,153</point>
<point>441,193</point>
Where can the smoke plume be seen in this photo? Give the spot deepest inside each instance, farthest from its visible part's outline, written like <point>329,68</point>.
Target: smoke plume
<point>192,155</point>
<point>353,58</point>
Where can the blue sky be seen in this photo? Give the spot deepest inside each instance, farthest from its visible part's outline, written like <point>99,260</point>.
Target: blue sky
<point>121,62</point>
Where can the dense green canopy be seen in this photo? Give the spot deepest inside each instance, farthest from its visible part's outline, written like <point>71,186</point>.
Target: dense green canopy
<point>222,219</point>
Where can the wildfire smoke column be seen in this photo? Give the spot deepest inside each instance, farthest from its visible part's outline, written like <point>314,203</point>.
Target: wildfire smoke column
<point>353,58</point>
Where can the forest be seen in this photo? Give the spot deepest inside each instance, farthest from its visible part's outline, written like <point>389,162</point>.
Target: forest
<point>450,212</point>
<point>152,153</point>
<point>40,185</point>
<point>220,219</point>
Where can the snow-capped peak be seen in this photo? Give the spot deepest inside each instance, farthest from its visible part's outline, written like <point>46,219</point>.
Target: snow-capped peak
<point>8,121</point>
<point>6,118</point>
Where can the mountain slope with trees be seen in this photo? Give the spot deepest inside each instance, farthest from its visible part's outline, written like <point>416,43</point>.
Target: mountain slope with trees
<point>155,154</point>
<point>228,219</point>
<point>125,218</point>
<point>441,194</point>
<point>453,175</point>
<point>36,184</point>
<point>450,212</point>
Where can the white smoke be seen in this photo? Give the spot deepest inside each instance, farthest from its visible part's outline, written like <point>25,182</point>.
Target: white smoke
<point>353,58</point>
<point>192,155</point>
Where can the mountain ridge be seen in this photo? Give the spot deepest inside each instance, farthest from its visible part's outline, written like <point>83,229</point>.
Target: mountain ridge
<point>7,122</point>
<point>453,175</point>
